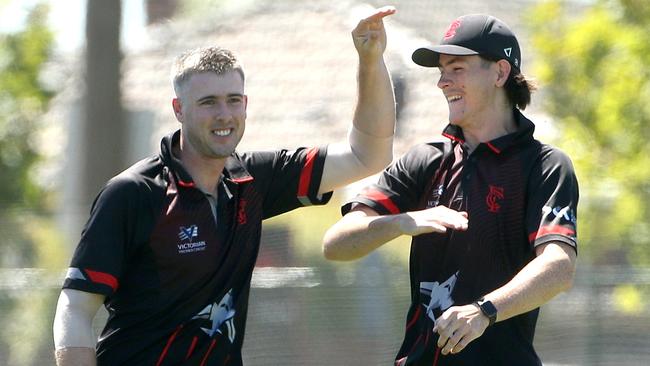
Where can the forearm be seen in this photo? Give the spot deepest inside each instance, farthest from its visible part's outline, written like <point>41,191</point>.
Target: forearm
<point>75,356</point>
<point>546,276</point>
<point>369,148</point>
<point>74,337</point>
<point>355,236</point>
<point>375,110</point>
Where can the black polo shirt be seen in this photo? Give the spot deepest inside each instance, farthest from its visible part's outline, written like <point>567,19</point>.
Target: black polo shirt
<point>518,193</point>
<point>176,283</point>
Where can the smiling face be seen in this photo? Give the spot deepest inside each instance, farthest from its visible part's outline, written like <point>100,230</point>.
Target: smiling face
<point>212,111</point>
<point>469,85</point>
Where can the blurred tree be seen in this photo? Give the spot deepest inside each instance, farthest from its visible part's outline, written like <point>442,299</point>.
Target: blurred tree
<point>596,79</point>
<point>28,238</point>
<point>22,100</point>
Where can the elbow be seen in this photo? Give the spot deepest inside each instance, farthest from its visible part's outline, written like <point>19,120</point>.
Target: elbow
<point>568,266</point>
<point>332,251</point>
<point>376,163</point>
<point>329,250</point>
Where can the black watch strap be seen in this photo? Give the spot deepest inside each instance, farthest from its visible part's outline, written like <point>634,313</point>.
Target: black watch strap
<point>488,309</point>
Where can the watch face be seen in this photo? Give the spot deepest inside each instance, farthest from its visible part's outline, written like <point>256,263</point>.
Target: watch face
<point>488,309</point>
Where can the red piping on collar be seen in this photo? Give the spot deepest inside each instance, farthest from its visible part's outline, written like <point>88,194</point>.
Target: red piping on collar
<point>186,184</point>
<point>493,148</point>
<point>452,137</point>
<point>242,179</point>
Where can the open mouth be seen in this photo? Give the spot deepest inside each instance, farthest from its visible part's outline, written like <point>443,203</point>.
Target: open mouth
<point>222,132</point>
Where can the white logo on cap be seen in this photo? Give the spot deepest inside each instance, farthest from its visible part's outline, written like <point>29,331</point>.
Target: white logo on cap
<point>507,51</point>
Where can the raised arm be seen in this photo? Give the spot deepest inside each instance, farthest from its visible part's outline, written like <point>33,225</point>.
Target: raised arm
<point>370,139</point>
<point>74,339</point>
<point>362,230</point>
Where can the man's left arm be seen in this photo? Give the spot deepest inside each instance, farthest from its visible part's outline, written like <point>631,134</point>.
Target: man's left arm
<point>550,273</point>
<point>370,139</point>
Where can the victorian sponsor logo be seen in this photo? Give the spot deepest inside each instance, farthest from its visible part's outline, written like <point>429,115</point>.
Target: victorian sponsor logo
<point>188,234</point>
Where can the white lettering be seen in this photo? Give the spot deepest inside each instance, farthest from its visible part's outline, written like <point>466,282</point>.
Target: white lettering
<point>191,247</point>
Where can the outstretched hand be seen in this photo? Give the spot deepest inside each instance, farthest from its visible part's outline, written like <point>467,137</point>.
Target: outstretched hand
<point>370,36</point>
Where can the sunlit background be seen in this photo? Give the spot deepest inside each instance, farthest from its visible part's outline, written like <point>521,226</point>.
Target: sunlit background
<point>85,92</point>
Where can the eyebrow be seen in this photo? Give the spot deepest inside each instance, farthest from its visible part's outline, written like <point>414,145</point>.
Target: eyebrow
<point>210,97</point>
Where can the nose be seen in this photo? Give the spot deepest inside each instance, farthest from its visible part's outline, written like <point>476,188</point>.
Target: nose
<point>443,81</point>
<point>221,110</point>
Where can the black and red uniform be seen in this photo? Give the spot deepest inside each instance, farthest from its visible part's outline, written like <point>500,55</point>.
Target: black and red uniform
<point>176,278</point>
<point>518,193</point>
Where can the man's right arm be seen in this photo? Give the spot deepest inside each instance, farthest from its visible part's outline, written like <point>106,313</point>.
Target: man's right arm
<point>74,338</point>
<point>363,230</point>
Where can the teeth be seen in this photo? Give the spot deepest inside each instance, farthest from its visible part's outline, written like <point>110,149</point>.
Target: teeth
<point>453,98</point>
<point>225,132</point>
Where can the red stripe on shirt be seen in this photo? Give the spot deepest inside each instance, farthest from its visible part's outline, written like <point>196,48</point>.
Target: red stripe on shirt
<point>207,354</point>
<point>382,199</point>
<point>551,229</point>
<point>163,354</point>
<point>305,175</point>
<point>414,319</point>
<point>192,346</point>
<point>435,358</point>
<point>103,278</point>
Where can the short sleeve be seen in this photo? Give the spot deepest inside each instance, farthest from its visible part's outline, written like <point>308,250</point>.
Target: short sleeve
<point>99,258</point>
<point>552,200</point>
<point>401,185</point>
<point>290,178</point>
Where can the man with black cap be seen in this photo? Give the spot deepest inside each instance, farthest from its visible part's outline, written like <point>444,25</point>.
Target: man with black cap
<point>492,211</point>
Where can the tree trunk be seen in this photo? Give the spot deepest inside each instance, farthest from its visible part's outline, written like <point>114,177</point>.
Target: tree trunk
<point>103,126</point>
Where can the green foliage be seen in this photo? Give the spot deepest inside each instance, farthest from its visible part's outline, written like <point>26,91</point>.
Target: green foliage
<point>596,79</point>
<point>22,100</point>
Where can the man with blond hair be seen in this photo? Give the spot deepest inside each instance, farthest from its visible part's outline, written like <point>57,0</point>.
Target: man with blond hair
<point>171,243</point>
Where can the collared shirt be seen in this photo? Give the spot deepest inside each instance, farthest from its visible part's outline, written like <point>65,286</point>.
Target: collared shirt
<point>176,283</point>
<point>518,193</point>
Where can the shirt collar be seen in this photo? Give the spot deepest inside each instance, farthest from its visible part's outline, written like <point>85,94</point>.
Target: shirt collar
<point>234,169</point>
<point>524,133</point>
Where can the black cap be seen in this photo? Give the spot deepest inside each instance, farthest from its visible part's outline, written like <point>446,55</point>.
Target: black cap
<point>474,34</point>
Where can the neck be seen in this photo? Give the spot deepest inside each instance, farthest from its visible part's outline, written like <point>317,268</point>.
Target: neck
<point>490,127</point>
<point>205,172</point>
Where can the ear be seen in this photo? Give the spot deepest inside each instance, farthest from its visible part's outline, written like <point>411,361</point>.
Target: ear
<point>503,72</point>
<point>178,109</point>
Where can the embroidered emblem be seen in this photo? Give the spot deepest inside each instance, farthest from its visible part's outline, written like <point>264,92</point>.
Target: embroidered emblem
<point>241,213</point>
<point>216,314</point>
<point>188,233</point>
<point>187,245</point>
<point>439,295</point>
<point>451,32</point>
<point>495,194</point>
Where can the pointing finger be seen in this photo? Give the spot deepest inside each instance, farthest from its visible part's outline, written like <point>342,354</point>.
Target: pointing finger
<point>380,14</point>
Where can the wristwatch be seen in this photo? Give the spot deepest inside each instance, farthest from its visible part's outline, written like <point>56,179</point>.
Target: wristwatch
<point>488,309</point>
